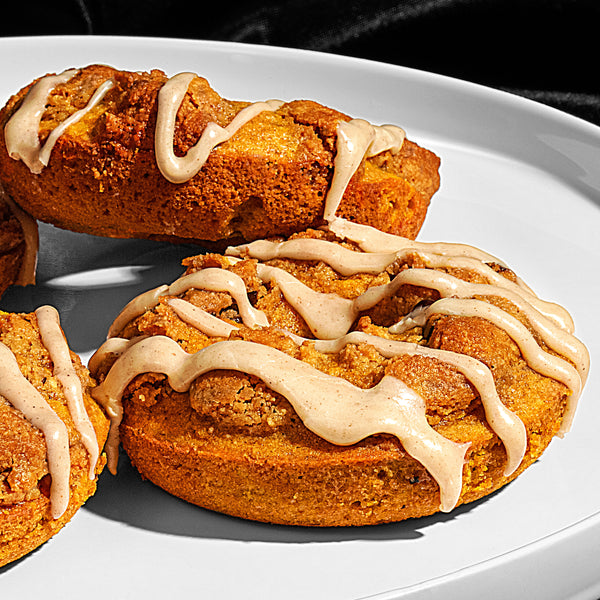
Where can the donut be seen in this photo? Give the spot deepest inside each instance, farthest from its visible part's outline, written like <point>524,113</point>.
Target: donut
<point>51,432</point>
<point>140,154</point>
<point>340,376</point>
<point>18,245</point>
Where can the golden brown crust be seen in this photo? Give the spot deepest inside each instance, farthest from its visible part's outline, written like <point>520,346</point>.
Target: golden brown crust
<point>233,445</point>
<point>25,518</point>
<point>271,178</point>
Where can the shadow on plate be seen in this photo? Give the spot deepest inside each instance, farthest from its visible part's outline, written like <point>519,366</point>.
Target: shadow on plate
<point>129,499</point>
<point>90,279</point>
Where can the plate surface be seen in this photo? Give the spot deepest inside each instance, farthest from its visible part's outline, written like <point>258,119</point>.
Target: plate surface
<point>518,179</point>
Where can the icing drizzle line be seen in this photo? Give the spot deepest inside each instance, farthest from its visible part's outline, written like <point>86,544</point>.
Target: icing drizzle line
<point>23,396</point>
<point>180,169</point>
<point>332,407</point>
<point>22,130</point>
<point>56,344</point>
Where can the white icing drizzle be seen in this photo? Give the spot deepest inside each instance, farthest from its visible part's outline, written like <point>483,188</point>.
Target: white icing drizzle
<point>505,423</point>
<point>19,392</point>
<point>213,279</point>
<point>348,262</point>
<point>22,130</point>
<point>357,139</point>
<point>98,95</point>
<point>539,360</point>
<point>136,307</point>
<point>114,346</point>
<point>449,286</point>
<point>327,315</point>
<point>180,169</point>
<point>21,133</point>
<point>545,317</point>
<point>29,227</point>
<point>551,310</point>
<point>200,319</point>
<point>189,313</point>
<point>343,260</point>
<point>221,280</point>
<point>329,406</point>
<point>370,239</point>
<point>56,344</point>
<point>330,316</point>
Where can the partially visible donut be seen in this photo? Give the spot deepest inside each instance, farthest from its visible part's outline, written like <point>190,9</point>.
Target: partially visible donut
<point>106,152</point>
<point>18,245</point>
<point>51,432</point>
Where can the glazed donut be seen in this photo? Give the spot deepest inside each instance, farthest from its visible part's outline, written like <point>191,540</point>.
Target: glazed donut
<point>51,432</point>
<point>131,154</point>
<point>338,377</point>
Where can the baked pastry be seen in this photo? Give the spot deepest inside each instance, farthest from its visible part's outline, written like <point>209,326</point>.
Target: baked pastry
<point>340,377</point>
<point>51,432</point>
<point>18,245</point>
<point>131,154</point>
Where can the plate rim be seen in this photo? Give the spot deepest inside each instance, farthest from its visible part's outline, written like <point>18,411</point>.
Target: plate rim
<point>567,534</point>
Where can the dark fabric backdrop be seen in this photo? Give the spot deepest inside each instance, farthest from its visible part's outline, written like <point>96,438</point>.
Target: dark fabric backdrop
<point>546,50</point>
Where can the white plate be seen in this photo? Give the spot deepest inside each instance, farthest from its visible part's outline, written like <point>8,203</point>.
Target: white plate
<point>518,179</point>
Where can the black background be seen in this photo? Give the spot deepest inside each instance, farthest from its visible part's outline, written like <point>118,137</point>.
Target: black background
<point>546,50</point>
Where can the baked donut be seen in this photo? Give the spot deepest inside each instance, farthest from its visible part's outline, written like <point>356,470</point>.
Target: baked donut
<point>340,377</point>
<point>132,154</point>
<point>18,245</point>
<point>51,432</point>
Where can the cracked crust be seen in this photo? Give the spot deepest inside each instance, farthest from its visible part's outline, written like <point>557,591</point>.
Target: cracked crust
<point>271,178</point>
